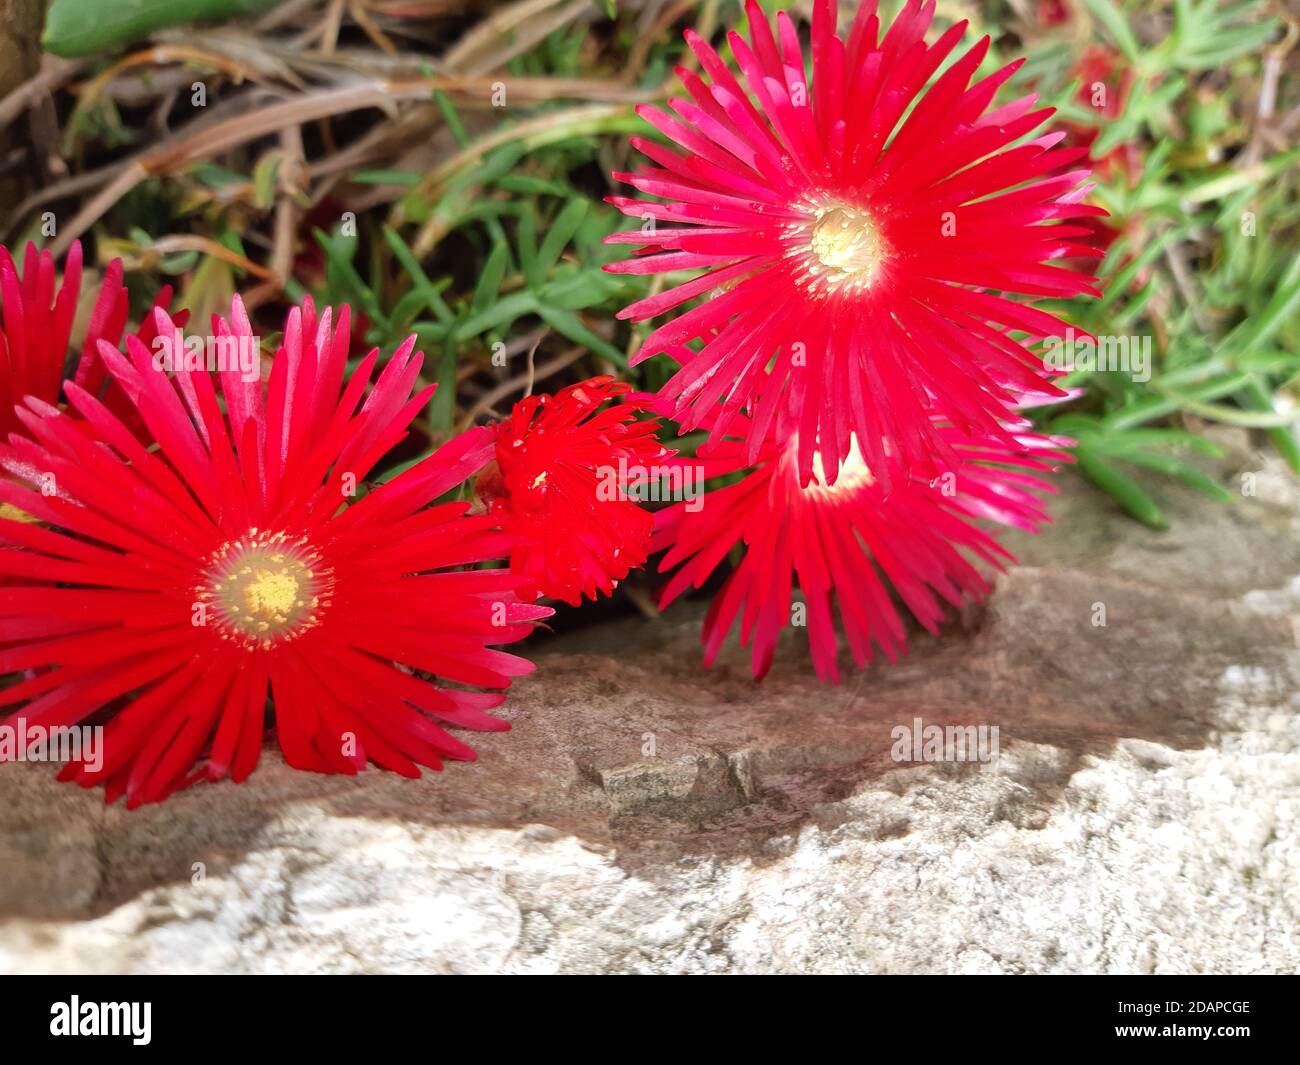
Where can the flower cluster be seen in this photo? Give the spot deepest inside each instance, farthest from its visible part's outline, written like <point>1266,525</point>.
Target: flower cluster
<point>189,552</point>
<point>192,555</point>
<point>859,357</point>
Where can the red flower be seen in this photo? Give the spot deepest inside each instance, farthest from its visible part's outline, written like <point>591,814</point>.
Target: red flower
<point>35,331</point>
<point>37,327</point>
<point>565,477</point>
<point>1053,12</point>
<point>853,246</point>
<point>37,324</point>
<point>849,542</point>
<point>181,587</point>
<point>1105,86</point>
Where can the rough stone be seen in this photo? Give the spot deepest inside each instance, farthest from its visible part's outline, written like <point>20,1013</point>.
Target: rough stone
<point>1142,815</point>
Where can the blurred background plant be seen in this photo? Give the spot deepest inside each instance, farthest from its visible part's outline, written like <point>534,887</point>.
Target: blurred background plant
<point>442,165</point>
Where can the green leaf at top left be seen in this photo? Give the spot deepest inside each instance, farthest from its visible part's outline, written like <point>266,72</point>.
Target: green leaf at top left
<point>84,27</point>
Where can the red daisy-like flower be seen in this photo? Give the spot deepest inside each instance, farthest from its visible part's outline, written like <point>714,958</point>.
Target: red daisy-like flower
<point>849,542</point>
<point>37,327</point>
<point>858,234</point>
<point>568,469</point>
<point>180,588</point>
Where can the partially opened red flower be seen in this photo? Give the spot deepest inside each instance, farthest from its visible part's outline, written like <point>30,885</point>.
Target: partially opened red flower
<point>239,568</point>
<point>855,238</point>
<point>37,327</point>
<point>846,545</point>
<point>567,472</point>
<point>36,320</point>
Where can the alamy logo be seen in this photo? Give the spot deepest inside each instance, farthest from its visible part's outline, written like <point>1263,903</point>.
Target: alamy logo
<point>237,354</point>
<point>653,484</point>
<point>132,1019</point>
<point>943,743</point>
<point>1103,354</point>
<point>23,742</point>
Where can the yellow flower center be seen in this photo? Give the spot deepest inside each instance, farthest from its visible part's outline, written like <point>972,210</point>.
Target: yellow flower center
<point>843,248</point>
<point>264,588</point>
<point>271,595</point>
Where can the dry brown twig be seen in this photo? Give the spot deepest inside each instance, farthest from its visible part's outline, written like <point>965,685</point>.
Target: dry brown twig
<point>54,74</point>
<point>187,148</point>
<point>488,402</point>
<point>245,57</point>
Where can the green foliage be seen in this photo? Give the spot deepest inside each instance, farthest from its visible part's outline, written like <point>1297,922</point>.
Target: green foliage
<point>503,241</point>
<point>1203,261</point>
<point>1205,35</point>
<point>84,27</point>
<point>537,248</point>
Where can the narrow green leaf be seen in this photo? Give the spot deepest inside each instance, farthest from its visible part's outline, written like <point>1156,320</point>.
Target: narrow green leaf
<point>1122,443</point>
<point>1257,397</point>
<point>560,233</point>
<point>442,411</point>
<point>404,178</point>
<point>430,293</point>
<point>489,281</point>
<point>569,325</point>
<point>526,241</point>
<point>452,117</point>
<point>84,27</point>
<point>497,315</point>
<point>264,175</point>
<point>578,289</point>
<point>1174,467</point>
<point>1117,26</point>
<point>339,265</point>
<point>1126,491</point>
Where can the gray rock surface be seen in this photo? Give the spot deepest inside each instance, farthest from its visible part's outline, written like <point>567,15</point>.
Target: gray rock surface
<point>1143,814</point>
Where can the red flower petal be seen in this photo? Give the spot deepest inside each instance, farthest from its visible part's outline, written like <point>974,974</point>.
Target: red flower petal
<point>845,542</point>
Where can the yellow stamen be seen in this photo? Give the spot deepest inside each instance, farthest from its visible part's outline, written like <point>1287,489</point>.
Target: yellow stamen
<point>841,247</point>
<point>265,588</point>
<point>271,594</point>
